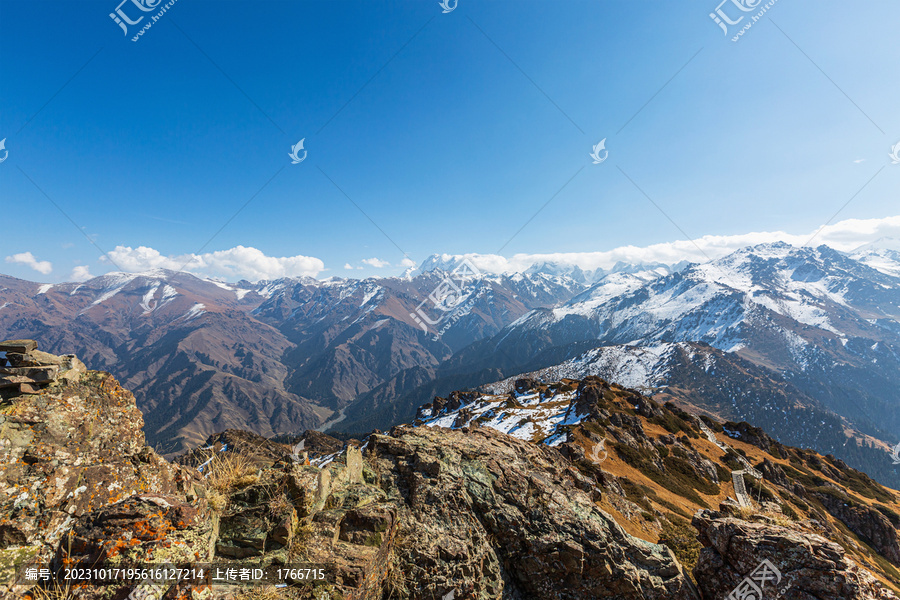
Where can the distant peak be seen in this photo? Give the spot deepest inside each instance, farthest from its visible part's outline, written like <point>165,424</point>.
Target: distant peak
<point>885,243</point>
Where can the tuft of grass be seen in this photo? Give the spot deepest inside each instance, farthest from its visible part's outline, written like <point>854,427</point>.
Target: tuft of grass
<point>217,501</point>
<point>298,551</point>
<point>55,591</point>
<point>231,471</point>
<point>681,538</point>
<point>789,512</point>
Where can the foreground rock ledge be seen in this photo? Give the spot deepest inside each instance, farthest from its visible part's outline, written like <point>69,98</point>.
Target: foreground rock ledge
<point>477,505</point>
<point>809,567</point>
<point>416,514</point>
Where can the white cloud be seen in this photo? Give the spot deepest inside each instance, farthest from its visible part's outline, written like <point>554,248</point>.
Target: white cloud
<point>407,262</point>
<point>239,262</point>
<point>80,273</point>
<point>27,258</point>
<point>376,262</point>
<point>844,236</point>
<point>348,266</point>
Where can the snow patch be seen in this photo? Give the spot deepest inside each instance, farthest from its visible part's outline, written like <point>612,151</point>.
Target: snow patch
<point>195,311</point>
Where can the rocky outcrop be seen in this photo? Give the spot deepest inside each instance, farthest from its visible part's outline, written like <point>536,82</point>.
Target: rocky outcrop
<point>144,528</point>
<point>771,559</point>
<point>507,517</point>
<point>866,522</point>
<point>74,447</point>
<point>418,513</point>
<point>26,370</point>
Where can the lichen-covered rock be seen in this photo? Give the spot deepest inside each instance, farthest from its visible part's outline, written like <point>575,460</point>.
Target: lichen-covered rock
<point>74,447</point>
<point>503,518</point>
<point>260,519</point>
<point>806,565</point>
<point>146,528</point>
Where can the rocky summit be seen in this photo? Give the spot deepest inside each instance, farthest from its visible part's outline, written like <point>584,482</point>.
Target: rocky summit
<point>571,490</point>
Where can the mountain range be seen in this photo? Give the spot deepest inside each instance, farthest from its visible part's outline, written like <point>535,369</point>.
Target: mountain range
<point>801,340</point>
<point>274,356</point>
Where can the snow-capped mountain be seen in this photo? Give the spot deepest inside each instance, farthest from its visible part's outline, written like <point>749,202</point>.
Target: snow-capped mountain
<point>696,377</point>
<point>492,266</point>
<point>708,380</point>
<point>283,355</point>
<point>278,356</point>
<point>825,322</point>
<point>882,255</point>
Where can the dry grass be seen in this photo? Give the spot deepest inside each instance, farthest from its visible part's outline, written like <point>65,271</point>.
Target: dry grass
<point>231,471</point>
<point>775,517</point>
<point>395,580</point>
<point>217,501</point>
<point>298,550</point>
<point>54,592</point>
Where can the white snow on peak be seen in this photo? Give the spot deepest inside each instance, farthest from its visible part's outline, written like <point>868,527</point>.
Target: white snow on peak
<point>611,286</point>
<point>882,255</point>
<point>530,417</point>
<point>44,288</point>
<point>638,367</point>
<point>885,243</point>
<point>113,283</point>
<point>371,291</point>
<point>271,288</point>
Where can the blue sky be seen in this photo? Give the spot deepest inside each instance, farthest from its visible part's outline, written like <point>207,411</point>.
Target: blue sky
<point>450,131</point>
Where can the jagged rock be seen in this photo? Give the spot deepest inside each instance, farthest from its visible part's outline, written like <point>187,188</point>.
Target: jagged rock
<point>29,371</point>
<point>318,443</point>
<point>525,385</point>
<point>506,517</point>
<point>141,528</point>
<point>14,381</point>
<point>756,436</point>
<point>69,450</point>
<point>260,519</point>
<point>590,392</point>
<point>34,358</point>
<point>236,441</point>
<point>864,521</point>
<point>808,566</point>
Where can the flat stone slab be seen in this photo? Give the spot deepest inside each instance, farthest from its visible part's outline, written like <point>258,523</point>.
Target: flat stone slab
<point>35,358</point>
<point>20,346</point>
<point>38,374</point>
<point>14,381</point>
<point>29,388</point>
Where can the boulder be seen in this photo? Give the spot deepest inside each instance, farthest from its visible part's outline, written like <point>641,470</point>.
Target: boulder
<point>782,562</point>
<point>13,381</point>
<point>70,450</point>
<point>507,518</point>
